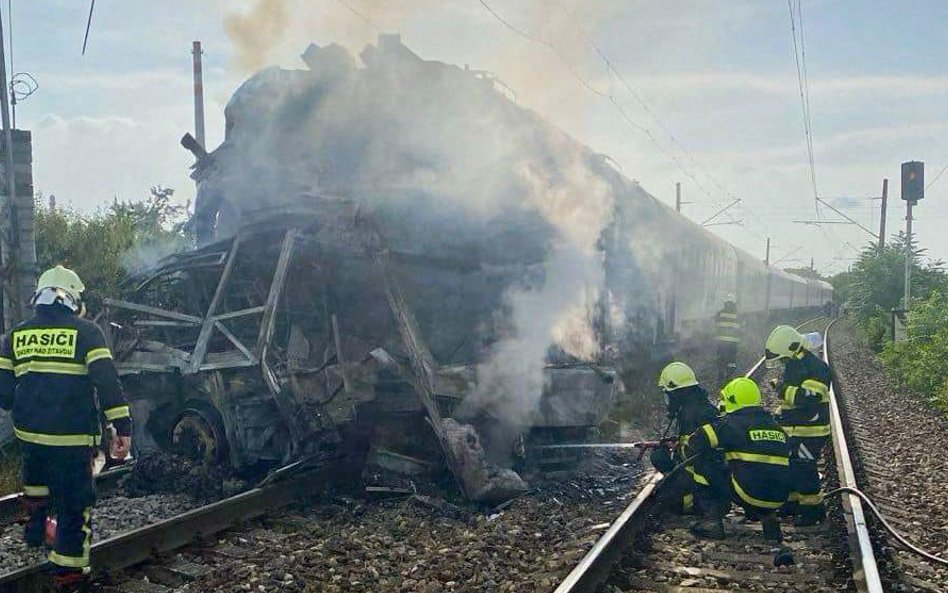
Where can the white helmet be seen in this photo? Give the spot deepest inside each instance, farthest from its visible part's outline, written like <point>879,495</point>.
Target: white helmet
<point>59,285</point>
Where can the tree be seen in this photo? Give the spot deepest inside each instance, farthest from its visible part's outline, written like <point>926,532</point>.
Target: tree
<point>106,246</point>
<point>875,285</point>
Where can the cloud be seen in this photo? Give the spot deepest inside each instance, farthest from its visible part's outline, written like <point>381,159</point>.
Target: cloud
<point>86,161</point>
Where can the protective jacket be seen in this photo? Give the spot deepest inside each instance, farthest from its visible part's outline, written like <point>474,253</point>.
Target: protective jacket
<point>690,408</point>
<point>804,396</point>
<point>52,367</point>
<point>756,452</point>
<point>728,325</point>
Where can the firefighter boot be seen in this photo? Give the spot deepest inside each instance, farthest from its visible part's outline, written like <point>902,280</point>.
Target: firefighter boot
<point>34,530</point>
<point>708,528</point>
<point>72,581</point>
<point>773,534</point>
<point>810,515</point>
<point>784,557</point>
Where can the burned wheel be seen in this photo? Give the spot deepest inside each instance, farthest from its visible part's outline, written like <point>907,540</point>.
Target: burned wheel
<point>199,434</point>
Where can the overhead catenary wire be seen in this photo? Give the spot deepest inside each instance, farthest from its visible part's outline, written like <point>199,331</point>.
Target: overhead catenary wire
<point>360,15</point>
<point>611,67</point>
<point>85,39</point>
<point>937,177</point>
<point>804,98</point>
<point>621,109</point>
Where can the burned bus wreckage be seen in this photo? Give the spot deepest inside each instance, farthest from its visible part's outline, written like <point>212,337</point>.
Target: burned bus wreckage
<point>399,262</point>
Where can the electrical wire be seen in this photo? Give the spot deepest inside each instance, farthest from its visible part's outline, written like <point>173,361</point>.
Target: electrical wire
<point>885,524</point>
<point>806,87</point>
<point>85,40</point>
<point>937,177</point>
<point>620,108</point>
<point>365,19</point>
<point>610,65</point>
<point>804,101</point>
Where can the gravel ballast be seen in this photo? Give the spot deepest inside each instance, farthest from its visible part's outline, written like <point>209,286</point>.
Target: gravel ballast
<point>902,444</point>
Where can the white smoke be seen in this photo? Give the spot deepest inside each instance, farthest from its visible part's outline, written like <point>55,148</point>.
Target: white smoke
<point>462,165</point>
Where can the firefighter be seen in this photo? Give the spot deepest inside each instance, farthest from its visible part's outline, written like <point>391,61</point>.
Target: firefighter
<point>757,456</point>
<point>728,327</point>
<point>804,416</point>
<point>53,370</point>
<point>688,408</point>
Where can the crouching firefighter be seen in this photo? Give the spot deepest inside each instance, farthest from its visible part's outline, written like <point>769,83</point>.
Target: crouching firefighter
<point>688,408</point>
<point>758,467</point>
<point>804,416</point>
<point>53,370</point>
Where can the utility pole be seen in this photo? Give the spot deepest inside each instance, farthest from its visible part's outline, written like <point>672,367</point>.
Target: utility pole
<point>885,198</point>
<point>198,94</point>
<point>769,278</point>
<point>908,253</point>
<point>913,190</point>
<point>678,197</point>
<point>12,304</point>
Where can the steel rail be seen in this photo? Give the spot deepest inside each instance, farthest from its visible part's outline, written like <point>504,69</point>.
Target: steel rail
<point>137,546</point>
<point>865,570</point>
<point>11,504</point>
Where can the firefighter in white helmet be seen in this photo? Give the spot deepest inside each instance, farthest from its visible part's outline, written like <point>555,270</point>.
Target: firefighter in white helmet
<point>56,371</point>
<point>804,415</point>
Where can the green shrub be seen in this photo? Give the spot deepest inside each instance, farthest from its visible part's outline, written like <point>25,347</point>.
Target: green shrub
<point>918,362</point>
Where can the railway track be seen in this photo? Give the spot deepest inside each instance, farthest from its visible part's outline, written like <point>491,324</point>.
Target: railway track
<point>11,504</point>
<point>645,550</point>
<point>642,550</point>
<point>293,483</point>
<point>898,442</point>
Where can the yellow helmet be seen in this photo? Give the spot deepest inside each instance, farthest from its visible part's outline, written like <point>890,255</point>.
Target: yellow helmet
<point>675,376</point>
<point>740,393</point>
<point>59,284</point>
<point>783,343</point>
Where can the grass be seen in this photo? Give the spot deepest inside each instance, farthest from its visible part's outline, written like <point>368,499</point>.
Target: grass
<point>9,472</point>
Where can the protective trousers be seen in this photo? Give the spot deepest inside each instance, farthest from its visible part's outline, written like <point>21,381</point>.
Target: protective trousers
<point>726,359</point>
<point>805,488</point>
<point>685,495</point>
<point>58,480</point>
<point>713,500</point>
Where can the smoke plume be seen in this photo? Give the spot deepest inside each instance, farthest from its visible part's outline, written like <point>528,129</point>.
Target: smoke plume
<point>452,168</point>
<point>257,32</point>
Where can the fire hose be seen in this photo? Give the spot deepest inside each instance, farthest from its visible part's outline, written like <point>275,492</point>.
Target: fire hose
<point>868,501</point>
<point>885,524</point>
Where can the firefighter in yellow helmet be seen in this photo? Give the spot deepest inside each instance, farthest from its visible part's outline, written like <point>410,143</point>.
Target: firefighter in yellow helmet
<point>54,368</point>
<point>804,415</point>
<point>757,456</point>
<point>688,408</point>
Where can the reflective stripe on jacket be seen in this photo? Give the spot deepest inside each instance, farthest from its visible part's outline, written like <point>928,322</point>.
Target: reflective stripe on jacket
<point>755,450</point>
<point>804,397</point>
<point>52,369</point>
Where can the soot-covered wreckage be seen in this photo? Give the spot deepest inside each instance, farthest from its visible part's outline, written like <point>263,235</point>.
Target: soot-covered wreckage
<point>398,261</point>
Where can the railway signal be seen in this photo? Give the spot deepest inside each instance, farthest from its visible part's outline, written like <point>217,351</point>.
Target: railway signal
<point>913,190</point>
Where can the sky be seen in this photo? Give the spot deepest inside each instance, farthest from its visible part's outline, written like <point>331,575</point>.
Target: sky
<point>702,92</point>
